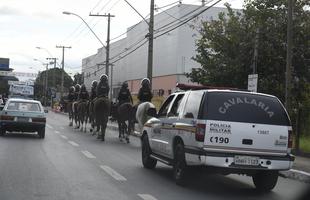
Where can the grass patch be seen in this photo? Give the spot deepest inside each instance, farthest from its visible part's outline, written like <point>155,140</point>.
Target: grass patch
<point>304,144</point>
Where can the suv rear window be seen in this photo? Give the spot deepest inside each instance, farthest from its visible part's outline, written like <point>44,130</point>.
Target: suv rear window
<point>244,107</point>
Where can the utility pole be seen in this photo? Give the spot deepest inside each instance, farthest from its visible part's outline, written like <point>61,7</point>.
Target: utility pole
<point>46,85</point>
<point>288,85</point>
<point>54,77</point>
<point>107,64</point>
<point>203,2</point>
<point>54,73</point>
<point>255,51</point>
<point>63,68</point>
<point>150,48</point>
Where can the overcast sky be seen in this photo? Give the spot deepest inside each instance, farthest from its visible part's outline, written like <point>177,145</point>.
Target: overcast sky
<point>27,24</point>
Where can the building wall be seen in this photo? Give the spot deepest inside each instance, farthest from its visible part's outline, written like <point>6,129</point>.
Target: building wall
<point>172,56</point>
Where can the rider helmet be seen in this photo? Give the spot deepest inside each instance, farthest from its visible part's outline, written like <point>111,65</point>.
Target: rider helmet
<point>145,82</point>
<point>72,89</point>
<point>94,84</point>
<point>104,78</point>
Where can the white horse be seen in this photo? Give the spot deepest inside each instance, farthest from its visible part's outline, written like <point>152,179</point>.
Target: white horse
<point>141,114</point>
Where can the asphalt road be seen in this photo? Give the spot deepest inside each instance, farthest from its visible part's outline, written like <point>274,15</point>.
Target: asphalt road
<point>69,164</point>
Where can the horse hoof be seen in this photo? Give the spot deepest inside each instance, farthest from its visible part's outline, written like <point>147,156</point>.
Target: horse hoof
<point>102,139</point>
<point>99,137</point>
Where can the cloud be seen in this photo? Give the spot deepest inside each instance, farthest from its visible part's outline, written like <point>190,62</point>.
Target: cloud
<point>4,10</point>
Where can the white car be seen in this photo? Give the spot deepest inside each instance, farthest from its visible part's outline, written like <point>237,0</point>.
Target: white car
<point>23,116</point>
<point>230,132</point>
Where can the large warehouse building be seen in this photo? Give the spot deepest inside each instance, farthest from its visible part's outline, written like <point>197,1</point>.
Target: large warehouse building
<point>173,51</point>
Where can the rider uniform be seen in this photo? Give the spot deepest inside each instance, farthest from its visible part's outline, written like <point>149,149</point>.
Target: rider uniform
<point>83,95</point>
<point>93,93</point>
<point>77,92</point>
<point>71,95</point>
<point>124,95</point>
<point>103,87</point>
<point>145,94</point>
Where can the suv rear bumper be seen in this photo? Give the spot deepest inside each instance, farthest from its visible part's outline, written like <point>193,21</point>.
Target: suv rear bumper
<point>227,160</point>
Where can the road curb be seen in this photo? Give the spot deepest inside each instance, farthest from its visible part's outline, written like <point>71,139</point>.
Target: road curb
<point>296,175</point>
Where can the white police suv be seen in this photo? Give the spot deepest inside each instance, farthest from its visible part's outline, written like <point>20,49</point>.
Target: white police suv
<point>228,131</point>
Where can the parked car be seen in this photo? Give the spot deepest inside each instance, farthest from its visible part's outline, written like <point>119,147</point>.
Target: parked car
<point>21,115</point>
<point>224,131</point>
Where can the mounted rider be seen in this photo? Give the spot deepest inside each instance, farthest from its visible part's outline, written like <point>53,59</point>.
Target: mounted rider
<point>93,92</point>
<point>103,87</point>
<point>145,94</point>
<point>83,95</point>
<point>71,95</point>
<point>77,88</point>
<point>124,95</point>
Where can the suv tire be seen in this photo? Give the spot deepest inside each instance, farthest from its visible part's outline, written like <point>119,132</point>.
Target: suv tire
<point>41,133</point>
<point>265,181</point>
<point>179,167</point>
<point>147,161</point>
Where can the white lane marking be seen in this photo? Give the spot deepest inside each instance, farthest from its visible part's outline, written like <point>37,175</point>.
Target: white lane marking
<point>73,143</point>
<point>301,172</point>
<point>88,154</point>
<point>62,128</point>
<point>57,132</point>
<point>64,137</point>
<point>147,197</point>
<point>113,173</point>
<point>49,126</point>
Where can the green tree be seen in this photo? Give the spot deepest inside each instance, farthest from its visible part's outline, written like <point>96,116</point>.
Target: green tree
<point>54,81</point>
<point>226,47</point>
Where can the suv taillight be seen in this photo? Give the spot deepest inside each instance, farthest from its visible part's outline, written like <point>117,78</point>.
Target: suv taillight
<point>290,139</point>
<point>200,132</point>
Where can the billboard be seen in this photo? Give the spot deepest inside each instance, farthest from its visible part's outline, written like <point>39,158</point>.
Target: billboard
<point>4,63</point>
<point>21,89</point>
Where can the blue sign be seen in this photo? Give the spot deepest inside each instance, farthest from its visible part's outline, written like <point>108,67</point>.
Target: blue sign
<point>4,63</point>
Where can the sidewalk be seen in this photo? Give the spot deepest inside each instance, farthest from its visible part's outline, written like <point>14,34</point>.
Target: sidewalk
<point>300,170</point>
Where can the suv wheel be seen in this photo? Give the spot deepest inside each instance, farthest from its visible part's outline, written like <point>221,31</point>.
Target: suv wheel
<point>265,181</point>
<point>147,161</point>
<point>41,133</point>
<point>179,168</point>
<point>2,132</point>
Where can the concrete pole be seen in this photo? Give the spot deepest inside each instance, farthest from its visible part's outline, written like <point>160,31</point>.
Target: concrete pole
<point>150,48</point>
<point>288,78</point>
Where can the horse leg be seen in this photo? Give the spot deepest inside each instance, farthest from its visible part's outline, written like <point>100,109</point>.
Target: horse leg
<point>119,130</point>
<point>126,131</point>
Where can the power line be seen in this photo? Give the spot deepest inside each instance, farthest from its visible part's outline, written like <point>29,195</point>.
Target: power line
<point>189,19</point>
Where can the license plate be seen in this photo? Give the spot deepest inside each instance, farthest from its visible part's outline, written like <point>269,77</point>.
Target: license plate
<point>23,119</point>
<point>246,160</point>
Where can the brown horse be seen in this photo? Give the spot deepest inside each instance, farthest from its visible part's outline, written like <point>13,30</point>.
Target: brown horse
<point>83,114</point>
<point>102,109</point>
<point>125,116</point>
<point>70,112</point>
<point>91,115</point>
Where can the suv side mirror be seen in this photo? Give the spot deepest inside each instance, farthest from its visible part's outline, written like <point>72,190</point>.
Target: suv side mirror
<point>1,107</point>
<point>152,112</point>
<point>46,111</point>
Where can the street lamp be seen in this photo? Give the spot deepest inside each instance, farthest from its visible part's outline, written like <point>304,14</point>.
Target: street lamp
<point>70,13</point>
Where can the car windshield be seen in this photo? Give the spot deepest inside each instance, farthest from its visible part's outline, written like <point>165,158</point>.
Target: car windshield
<point>23,106</point>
